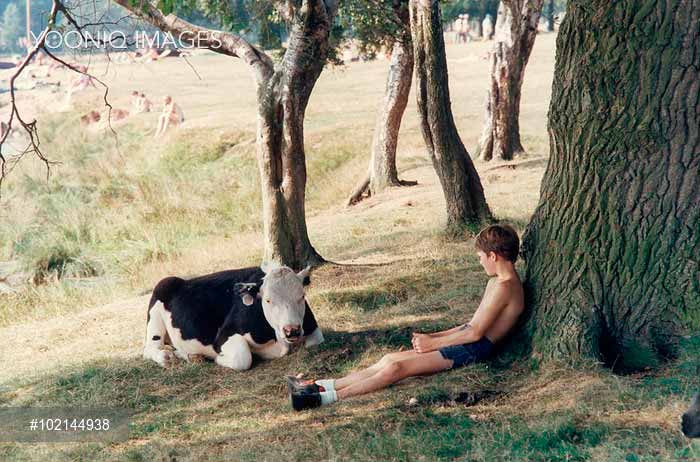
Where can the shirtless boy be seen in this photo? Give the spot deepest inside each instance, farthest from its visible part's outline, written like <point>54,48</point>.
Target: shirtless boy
<point>497,248</point>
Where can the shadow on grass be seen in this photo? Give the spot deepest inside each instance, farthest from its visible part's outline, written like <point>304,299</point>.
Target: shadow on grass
<point>203,412</point>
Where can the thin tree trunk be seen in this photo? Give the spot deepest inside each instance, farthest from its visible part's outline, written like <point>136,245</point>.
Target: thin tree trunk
<point>464,195</point>
<point>612,250</point>
<point>386,134</point>
<point>281,156</point>
<point>516,29</point>
<point>382,165</point>
<point>283,92</point>
<point>382,171</point>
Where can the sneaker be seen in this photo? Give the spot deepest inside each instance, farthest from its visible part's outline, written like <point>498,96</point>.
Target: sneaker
<point>295,385</point>
<point>302,400</point>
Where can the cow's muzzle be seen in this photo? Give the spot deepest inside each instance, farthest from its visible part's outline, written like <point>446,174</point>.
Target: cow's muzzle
<point>292,333</point>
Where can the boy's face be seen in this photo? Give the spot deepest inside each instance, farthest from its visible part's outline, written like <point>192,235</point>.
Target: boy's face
<point>487,261</point>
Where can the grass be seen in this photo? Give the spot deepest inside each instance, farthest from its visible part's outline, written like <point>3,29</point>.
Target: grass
<point>102,217</point>
<point>110,223</point>
<point>203,412</point>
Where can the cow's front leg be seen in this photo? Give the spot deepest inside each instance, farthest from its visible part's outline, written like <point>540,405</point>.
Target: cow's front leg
<point>273,350</point>
<point>235,354</point>
<point>182,355</point>
<point>314,339</point>
<point>155,338</point>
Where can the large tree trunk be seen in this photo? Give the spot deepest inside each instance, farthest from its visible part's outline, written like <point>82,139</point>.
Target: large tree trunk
<point>282,101</point>
<point>516,28</point>
<point>382,165</point>
<point>382,171</point>
<point>612,250</point>
<point>464,195</point>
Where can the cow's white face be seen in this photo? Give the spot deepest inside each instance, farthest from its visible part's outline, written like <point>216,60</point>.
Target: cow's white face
<point>283,302</point>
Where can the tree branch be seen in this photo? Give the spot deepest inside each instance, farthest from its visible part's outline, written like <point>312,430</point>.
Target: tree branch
<point>217,41</point>
<point>29,127</point>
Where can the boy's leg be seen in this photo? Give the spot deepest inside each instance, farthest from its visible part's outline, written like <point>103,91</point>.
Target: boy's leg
<point>394,371</point>
<point>373,369</point>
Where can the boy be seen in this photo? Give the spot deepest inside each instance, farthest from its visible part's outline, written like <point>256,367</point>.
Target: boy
<point>497,247</point>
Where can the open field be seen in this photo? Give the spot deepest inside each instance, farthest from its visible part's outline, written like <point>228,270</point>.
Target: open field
<point>122,219</point>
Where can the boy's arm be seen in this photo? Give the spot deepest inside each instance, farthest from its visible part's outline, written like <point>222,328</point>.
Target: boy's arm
<point>483,319</point>
<point>448,331</point>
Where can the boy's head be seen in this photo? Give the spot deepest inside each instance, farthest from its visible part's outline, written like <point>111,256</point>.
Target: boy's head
<point>498,242</point>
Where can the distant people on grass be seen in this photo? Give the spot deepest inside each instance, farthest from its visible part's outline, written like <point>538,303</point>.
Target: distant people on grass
<point>118,115</point>
<point>156,54</point>
<point>79,83</point>
<point>487,27</point>
<point>463,29</point>
<point>172,115</point>
<point>146,104</point>
<point>139,103</point>
<point>95,121</point>
<point>90,119</point>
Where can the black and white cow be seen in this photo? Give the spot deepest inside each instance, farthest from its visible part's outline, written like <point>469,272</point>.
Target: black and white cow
<point>229,316</point>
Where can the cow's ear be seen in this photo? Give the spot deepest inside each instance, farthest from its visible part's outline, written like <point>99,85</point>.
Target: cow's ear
<point>247,291</point>
<point>269,266</point>
<point>304,275</point>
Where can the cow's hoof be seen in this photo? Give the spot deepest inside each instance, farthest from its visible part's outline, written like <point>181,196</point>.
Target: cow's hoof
<point>197,359</point>
<point>164,358</point>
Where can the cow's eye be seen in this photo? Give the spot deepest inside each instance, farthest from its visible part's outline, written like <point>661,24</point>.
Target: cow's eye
<point>268,301</point>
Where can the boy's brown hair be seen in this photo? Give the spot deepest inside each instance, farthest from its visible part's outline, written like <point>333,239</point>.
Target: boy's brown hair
<point>500,239</point>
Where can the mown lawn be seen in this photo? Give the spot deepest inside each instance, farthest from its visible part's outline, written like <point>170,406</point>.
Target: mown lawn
<point>202,412</point>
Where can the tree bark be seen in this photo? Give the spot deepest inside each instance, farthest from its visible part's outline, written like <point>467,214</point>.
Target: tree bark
<point>612,249</point>
<point>282,104</point>
<point>382,165</point>
<point>516,29</point>
<point>464,195</point>
<point>283,91</point>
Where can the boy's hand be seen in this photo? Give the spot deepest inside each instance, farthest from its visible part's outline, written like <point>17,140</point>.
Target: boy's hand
<point>423,343</point>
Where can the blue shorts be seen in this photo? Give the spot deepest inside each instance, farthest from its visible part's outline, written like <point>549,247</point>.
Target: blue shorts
<point>467,353</point>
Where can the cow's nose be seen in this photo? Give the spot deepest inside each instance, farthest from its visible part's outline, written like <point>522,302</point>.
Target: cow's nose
<point>292,331</point>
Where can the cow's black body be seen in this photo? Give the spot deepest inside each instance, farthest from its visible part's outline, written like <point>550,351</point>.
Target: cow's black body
<point>210,309</point>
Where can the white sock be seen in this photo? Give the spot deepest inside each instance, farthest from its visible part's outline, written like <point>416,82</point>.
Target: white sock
<point>327,384</point>
<point>328,397</point>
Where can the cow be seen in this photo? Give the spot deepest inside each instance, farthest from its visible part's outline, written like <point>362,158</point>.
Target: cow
<point>229,316</point>
<point>691,420</point>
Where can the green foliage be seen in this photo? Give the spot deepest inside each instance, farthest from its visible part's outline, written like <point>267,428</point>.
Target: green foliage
<point>375,25</point>
<point>477,9</point>
<point>11,29</point>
